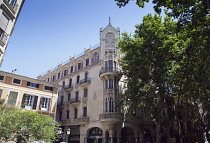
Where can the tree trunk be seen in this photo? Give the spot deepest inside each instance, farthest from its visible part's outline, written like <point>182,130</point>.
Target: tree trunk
<point>200,137</point>
<point>207,136</point>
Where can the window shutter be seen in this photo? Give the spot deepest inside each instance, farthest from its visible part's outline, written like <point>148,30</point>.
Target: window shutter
<point>3,22</point>
<point>1,90</point>
<point>40,104</point>
<point>23,101</point>
<point>48,108</point>
<point>35,102</point>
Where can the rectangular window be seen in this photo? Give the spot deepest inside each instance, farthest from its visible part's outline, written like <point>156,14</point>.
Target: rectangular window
<point>69,96</point>
<point>72,69</point>
<point>59,75</point>
<point>53,78</point>
<point>111,84</point>
<point>85,92</point>
<point>87,62</point>
<point>29,101</point>
<point>65,72</point>
<point>79,66</point>
<point>75,113</point>
<point>77,95</point>
<point>48,88</point>
<point>12,2</point>
<point>1,78</point>
<point>78,78</point>
<point>12,98</point>
<point>16,81</point>
<point>31,84</point>
<point>67,114</point>
<point>85,112</point>
<point>60,116</point>
<point>45,104</point>
<point>1,90</point>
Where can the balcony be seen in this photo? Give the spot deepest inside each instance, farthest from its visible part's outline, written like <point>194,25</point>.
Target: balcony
<point>60,104</point>
<point>68,87</point>
<point>85,81</point>
<point>3,37</point>
<point>75,101</point>
<point>108,71</point>
<point>80,121</point>
<point>65,122</point>
<point>111,117</point>
<point>11,7</point>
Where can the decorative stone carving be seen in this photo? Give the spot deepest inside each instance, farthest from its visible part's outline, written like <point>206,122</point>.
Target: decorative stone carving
<point>110,40</point>
<point>94,97</point>
<point>95,57</point>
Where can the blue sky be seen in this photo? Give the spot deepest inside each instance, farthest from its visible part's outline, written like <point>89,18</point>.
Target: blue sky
<point>48,32</point>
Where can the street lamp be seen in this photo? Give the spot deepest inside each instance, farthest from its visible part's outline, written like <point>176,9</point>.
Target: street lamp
<point>59,131</point>
<point>63,135</point>
<point>68,131</point>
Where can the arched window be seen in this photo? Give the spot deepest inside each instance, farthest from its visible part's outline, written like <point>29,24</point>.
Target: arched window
<point>78,78</point>
<point>63,85</point>
<point>111,105</point>
<point>86,76</point>
<point>70,82</point>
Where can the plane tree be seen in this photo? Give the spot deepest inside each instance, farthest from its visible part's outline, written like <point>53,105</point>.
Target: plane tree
<point>147,64</point>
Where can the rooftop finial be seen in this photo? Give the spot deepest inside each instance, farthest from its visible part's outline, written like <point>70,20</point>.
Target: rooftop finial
<point>109,20</point>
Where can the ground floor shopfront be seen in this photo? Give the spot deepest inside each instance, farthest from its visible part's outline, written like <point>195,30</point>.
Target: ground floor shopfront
<point>111,133</point>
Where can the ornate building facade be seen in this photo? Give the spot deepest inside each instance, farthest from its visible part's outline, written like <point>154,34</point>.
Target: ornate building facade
<point>9,12</point>
<point>87,99</point>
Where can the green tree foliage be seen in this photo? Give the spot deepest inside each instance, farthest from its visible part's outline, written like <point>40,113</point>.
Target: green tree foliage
<point>24,126</point>
<point>147,64</point>
<point>190,74</point>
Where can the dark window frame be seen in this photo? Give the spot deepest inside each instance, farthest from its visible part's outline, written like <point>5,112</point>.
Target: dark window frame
<point>16,81</point>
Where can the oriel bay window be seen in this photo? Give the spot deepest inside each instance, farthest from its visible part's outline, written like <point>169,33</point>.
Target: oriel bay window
<point>111,84</point>
<point>110,65</point>
<point>110,105</point>
<point>29,101</point>
<point>45,103</point>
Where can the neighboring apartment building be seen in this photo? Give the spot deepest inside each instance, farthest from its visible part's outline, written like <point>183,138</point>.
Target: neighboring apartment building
<point>9,12</point>
<point>28,93</point>
<point>90,89</point>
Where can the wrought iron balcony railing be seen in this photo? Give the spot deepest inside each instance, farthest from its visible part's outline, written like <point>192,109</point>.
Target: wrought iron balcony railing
<point>81,120</point>
<point>75,100</point>
<point>69,87</point>
<point>86,80</point>
<point>60,104</point>
<point>111,115</point>
<point>109,69</point>
<point>13,4</point>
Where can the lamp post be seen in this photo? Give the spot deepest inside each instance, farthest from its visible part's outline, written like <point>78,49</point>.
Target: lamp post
<point>63,135</point>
